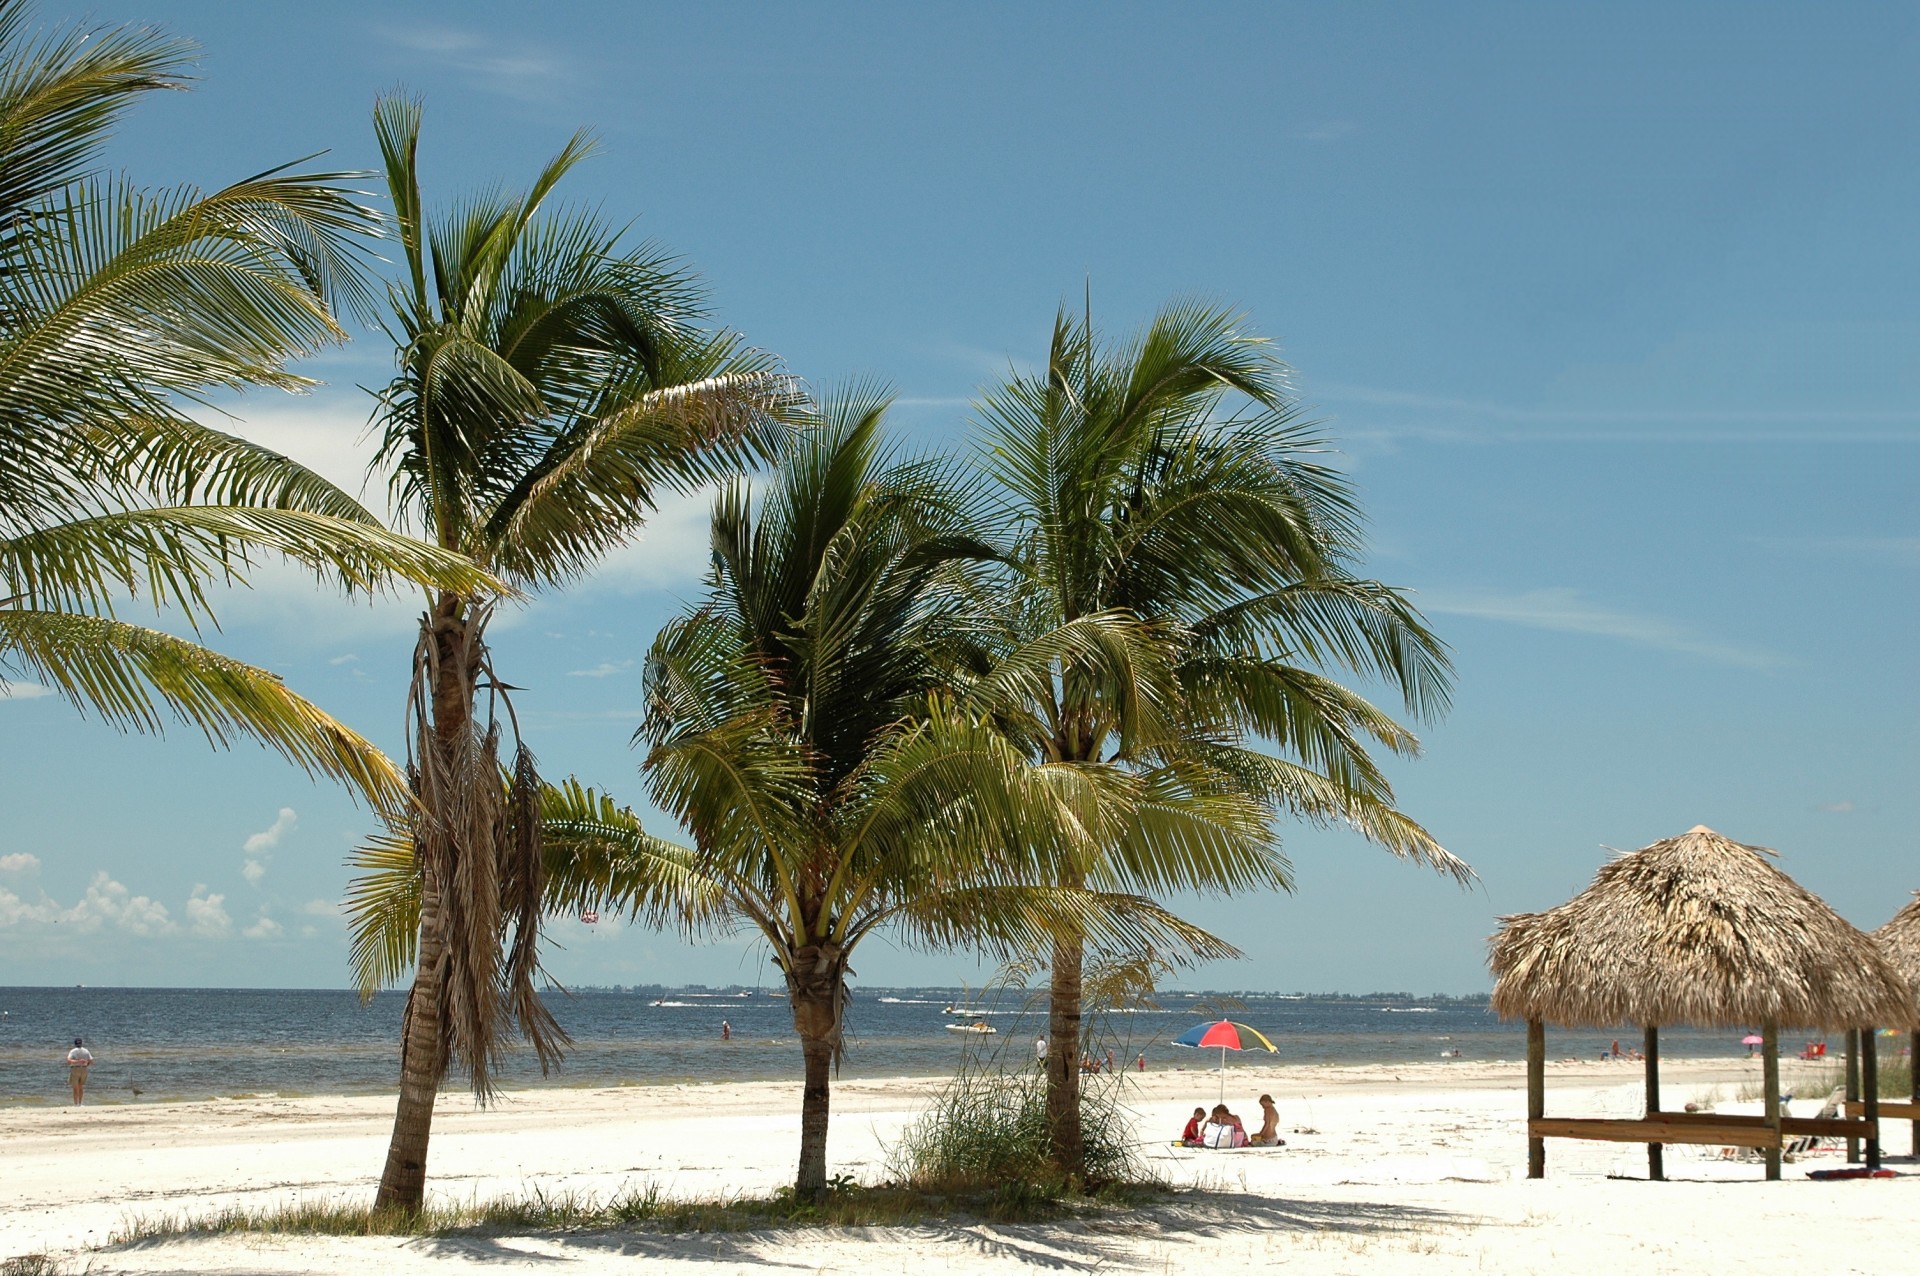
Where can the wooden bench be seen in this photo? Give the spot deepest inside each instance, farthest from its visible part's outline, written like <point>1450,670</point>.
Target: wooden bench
<point>1708,1128</point>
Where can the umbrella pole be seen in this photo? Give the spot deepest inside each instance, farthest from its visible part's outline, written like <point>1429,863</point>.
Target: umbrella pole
<point>1770,1093</point>
<point>1223,1074</point>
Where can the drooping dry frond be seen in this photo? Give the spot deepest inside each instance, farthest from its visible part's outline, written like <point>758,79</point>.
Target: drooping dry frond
<point>1695,930</point>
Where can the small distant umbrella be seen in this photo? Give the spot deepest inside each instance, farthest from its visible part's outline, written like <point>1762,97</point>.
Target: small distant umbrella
<point>1225,1035</point>
<point>1751,1040</point>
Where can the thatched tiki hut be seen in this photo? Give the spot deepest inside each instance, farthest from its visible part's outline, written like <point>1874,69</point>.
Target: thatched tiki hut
<point>1900,940</point>
<point>1697,931</point>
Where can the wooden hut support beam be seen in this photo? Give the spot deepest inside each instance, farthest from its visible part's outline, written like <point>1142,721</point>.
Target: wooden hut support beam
<point>1536,1097</point>
<point>1870,1094</point>
<point>1913,1070</point>
<point>1853,1086</point>
<point>1656,1158</point>
<point>1770,1092</point>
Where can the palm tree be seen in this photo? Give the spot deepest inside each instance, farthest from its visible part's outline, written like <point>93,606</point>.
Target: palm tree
<point>551,385</point>
<point>1170,481</point>
<point>116,305</point>
<point>801,733</point>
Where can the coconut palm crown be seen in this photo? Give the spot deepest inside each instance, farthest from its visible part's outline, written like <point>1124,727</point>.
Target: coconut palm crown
<point>551,385</point>
<point>1165,492</point>
<point>801,732</point>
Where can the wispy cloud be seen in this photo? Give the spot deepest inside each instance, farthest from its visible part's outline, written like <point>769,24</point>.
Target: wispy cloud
<point>263,927</point>
<point>268,838</point>
<point>518,70</point>
<point>22,690</point>
<point>1842,807</point>
<point>605,669</point>
<point>1457,420</point>
<point>19,862</point>
<point>1567,611</point>
<point>259,845</point>
<point>347,659</point>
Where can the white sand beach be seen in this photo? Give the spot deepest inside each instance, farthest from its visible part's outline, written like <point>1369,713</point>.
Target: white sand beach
<point>1415,1167</point>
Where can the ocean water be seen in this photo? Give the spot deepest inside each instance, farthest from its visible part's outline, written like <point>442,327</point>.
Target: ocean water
<point>160,1044</point>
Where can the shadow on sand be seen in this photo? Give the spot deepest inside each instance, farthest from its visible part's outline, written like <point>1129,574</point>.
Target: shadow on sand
<point>1080,1244</point>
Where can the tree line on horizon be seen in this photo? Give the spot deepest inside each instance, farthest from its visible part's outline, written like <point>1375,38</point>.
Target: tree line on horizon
<point>1005,700</point>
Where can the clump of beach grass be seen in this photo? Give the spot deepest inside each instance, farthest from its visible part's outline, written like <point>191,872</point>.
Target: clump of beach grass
<point>32,1265</point>
<point>984,1139</point>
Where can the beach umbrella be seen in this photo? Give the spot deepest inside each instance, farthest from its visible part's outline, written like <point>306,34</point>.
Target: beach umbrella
<point>1225,1035</point>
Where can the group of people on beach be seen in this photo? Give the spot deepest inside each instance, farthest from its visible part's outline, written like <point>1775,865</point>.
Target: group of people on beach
<point>1222,1129</point>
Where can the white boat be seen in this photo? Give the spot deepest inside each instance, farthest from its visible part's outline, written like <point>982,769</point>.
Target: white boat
<point>982,1029</point>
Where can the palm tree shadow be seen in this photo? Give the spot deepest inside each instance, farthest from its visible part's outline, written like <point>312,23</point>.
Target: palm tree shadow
<point>1082,1244</point>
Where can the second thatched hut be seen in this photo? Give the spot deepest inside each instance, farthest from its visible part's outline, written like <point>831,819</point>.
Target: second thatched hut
<point>1900,939</point>
<point>1697,930</point>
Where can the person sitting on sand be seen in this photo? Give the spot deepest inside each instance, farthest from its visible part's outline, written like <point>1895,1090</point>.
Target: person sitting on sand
<point>1224,1129</point>
<point>1269,1135</point>
<point>1190,1137</point>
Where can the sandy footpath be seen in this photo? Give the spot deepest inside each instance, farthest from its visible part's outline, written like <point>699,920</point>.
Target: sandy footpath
<point>1413,1167</point>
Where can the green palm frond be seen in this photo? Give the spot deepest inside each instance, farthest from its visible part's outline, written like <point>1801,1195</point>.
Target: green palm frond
<point>382,909</point>
<point>60,95</point>
<point>177,461</point>
<point>130,676</point>
<point>600,857</point>
<point>167,556</point>
<point>130,296</point>
<point>1017,921</point>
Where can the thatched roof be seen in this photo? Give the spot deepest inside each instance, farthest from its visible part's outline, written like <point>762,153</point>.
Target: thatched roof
<point>1900,939</point>
<point>1695,930</point>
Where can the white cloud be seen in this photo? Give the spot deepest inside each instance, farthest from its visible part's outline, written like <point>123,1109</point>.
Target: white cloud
<point>19,862</point>
<point>517,70</point>
<point>1565,611</point>
<point>674,550</point>
<point>253,871</point>
<point>263,927</point>
<point>22,690</point>
<point>1842,807</point>
<point>605,669</point>
<point>327,908</point>
<point>108,902</point>
<point>207,914</point>
<point>268,838</point>
<point>347,659</point>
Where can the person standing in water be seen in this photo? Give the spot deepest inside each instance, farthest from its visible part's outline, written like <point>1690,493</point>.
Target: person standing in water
<point>79,1059</point>
<point>726,1031</point>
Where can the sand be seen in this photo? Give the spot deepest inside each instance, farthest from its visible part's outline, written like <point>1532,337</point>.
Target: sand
<point>1414,1168</point>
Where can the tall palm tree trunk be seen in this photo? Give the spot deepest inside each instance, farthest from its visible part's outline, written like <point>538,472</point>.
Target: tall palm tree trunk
<point>815,976</point>
<point>423,1045</point>
<point>403,1183</point>
<point>1063,1058</point>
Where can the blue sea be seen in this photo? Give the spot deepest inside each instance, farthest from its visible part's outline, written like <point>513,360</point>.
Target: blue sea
<point>162,1044</point>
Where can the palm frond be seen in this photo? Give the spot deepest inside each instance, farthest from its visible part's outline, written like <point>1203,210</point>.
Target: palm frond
<point>131,676</point>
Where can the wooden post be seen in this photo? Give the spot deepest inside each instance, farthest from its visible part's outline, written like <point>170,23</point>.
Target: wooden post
<point>1853,1087</point>
<point>1770,1091</point>
<point>1913,1070</point>
<point>1870,1094</point>
<point>1536,1096</point>
<point>1656,1168</point>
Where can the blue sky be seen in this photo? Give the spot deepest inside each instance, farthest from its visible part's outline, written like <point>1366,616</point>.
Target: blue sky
<point>1612,310</point>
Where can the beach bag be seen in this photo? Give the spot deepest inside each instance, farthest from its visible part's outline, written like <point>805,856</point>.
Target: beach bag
<point>1214,1135</point>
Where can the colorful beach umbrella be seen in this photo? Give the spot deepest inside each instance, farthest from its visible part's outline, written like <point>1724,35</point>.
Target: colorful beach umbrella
<point>1224,1035</point>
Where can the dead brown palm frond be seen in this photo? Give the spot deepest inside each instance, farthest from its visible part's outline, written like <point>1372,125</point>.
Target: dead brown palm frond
<point>1695,930</point>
